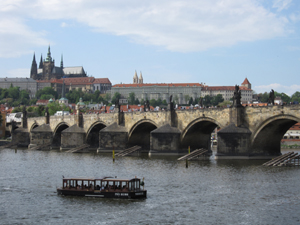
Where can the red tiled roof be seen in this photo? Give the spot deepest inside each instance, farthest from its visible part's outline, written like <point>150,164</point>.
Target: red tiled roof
<point>160,84</point>
<point>102,81</point>
<point>222,88</point>
<point>79,80</point>
<point>42,101</point>
<point>246,81</point>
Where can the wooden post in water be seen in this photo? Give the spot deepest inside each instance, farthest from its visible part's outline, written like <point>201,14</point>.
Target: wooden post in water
<point>113,155</point>
<point>189,150</point>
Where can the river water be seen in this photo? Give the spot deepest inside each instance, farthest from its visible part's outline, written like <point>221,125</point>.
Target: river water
<point>207,192</point>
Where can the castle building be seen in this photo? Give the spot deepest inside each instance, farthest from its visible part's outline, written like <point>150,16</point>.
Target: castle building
<point>156,91</point>
<point>47,69</point>
<point>181,92</point>
<point>228,91</point>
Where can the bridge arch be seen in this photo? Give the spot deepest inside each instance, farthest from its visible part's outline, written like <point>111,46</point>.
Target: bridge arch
<point>34,125</point>
<point>198,133</point>
<point>92,136</point>
<point>139,133</point>
<point>267,137</point>
<point>57,133</point>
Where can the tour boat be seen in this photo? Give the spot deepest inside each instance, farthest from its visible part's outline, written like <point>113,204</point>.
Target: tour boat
<point>106,187</point>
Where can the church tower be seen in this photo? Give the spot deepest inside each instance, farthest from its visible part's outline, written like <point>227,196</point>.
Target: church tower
<point>141,78</point>
<point>61,62</point>
<point>135,78</point>
<point>48,66</point>
<point>41,63</point>
<point>246,83</point>
<point>33,71</point>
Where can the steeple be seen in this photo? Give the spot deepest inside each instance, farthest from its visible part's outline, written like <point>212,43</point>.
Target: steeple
<point>41,63</point>
<point>48,59</point>
<point>135,78</point>
<point>63,89</point>
<point>61,62</point>
<point>141,78</point>
<point>33,71</point>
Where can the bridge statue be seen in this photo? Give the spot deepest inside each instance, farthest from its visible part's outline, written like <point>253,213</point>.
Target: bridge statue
<point>271,97</point>
<point>200,103</point>
<point>237,96</point>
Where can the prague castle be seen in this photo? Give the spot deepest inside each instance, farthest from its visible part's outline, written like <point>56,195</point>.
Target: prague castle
<point>47,69</point>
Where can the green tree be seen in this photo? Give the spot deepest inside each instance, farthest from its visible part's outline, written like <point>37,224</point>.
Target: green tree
<point>207,100</point>
<point>152,102</point>
<point>263,97</point>
<point>55,106</point>
<point>191,101</point>
<point>187,98</point>
<point>295,97</point>
<point>13,92</point>
<point>46,90</point>
<point>142,101</point>
<point>116,96</point>
<point>107,97</point>
<point>217,99</point>
<point>164,102</point>
<point>131,98</point>
<point>46,96</point>
<point>17,109</point>
<point>225,104</point>
<point>136,102</point>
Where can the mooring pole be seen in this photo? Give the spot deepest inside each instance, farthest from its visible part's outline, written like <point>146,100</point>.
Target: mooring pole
<point>113,155</point>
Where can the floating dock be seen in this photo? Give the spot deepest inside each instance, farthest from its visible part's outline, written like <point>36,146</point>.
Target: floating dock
<point>288,159</point>
<point>79,148</point>
<point>129,151</point>
<point>195,154</point>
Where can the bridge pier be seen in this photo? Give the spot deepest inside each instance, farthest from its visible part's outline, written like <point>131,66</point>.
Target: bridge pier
<point>20,136</point>
<point>113,137</point>
<point>41,135</point>
<point>234,142</point>
<point>165,139</point>
<point>72,137</point>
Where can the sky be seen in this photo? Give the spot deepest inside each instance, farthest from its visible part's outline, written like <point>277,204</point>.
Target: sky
<point>215,42</point>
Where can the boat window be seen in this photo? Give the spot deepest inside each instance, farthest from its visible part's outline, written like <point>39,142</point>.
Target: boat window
<point>130,186</point>
<point>137,184</point>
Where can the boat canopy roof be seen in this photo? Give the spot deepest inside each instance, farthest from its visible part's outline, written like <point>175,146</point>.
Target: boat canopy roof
<point>103,179</point>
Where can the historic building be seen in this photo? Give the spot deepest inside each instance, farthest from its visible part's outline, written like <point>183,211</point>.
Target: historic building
<point>227,91</point>
<point>28,84</point>
<point>163,91</point>
<point>47,69</point>
<point>181,92</point>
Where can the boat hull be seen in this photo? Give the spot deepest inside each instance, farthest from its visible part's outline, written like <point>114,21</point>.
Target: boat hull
<point>104,194</point>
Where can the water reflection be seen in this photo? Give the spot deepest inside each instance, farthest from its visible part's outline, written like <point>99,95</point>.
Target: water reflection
<point>208,191</point>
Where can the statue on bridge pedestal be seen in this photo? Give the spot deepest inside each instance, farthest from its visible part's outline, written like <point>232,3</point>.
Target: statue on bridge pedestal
<point>200,102</point>
<point>237,96</point>
<point>271,97</point>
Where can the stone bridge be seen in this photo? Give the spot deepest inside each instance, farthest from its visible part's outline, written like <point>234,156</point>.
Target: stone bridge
<point>243,131</point>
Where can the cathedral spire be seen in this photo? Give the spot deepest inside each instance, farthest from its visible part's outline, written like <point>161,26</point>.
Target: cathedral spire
<point>41,63</point>
<point>49,59</point>
<point>33,71</point>
<point>61,62</point>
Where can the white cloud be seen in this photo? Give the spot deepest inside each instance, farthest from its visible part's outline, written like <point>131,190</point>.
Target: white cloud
<point>282,4</point>
<point>17,39</point>
<point>289,90</point>
<point>20,72</point>
<point>176,25</point>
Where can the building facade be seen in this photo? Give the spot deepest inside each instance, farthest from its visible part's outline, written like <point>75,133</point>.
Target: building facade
<point>228,91</point>
<point>28,84</point>
<point>47,69</point>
